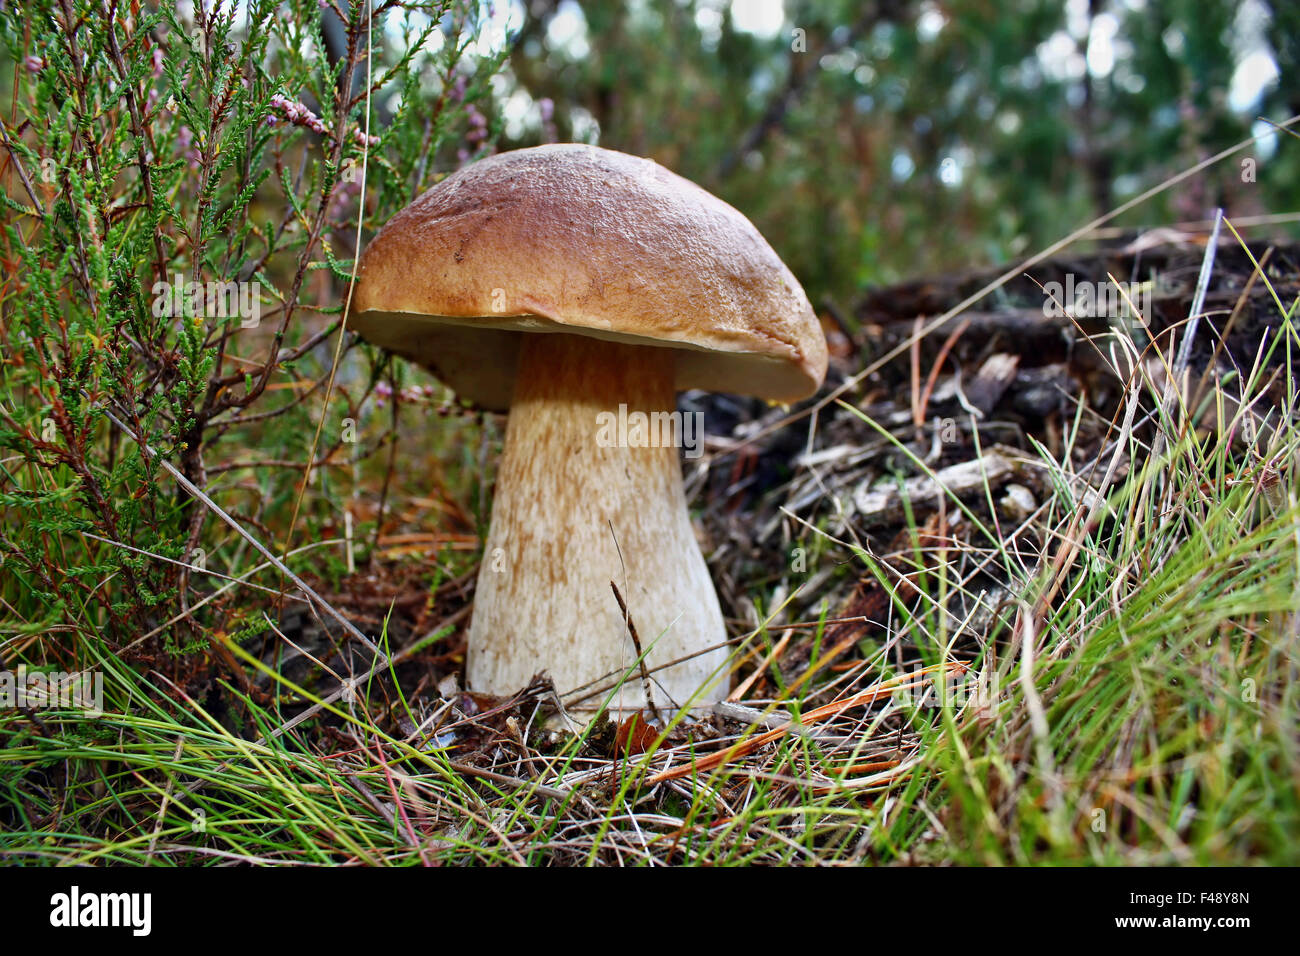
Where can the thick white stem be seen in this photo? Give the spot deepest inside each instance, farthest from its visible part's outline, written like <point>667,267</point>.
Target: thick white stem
<point>575,508</point>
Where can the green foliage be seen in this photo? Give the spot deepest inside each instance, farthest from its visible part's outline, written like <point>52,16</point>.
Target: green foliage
<point>180,218</point>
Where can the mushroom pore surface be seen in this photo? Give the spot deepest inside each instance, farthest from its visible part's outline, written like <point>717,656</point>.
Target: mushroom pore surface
<point>574,511</point>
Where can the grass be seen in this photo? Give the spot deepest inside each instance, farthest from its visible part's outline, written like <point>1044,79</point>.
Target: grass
<point>1127,697</point>
<point>1107,677</point>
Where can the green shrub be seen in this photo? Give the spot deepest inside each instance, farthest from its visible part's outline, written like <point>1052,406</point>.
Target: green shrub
<point>181,203</point>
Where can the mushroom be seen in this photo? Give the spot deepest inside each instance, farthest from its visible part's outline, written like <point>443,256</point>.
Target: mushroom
<point>581,288</point>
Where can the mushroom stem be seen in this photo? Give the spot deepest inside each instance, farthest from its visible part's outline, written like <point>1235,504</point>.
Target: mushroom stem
<point>582,501</point>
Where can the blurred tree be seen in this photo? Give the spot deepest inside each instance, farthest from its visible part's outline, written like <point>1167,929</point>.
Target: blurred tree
<point>883,139</point>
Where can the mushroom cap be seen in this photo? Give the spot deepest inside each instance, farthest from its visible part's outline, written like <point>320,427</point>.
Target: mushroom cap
<point>579,239</point>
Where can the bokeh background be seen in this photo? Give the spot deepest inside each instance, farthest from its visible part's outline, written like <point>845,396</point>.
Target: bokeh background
<point>874,141</point>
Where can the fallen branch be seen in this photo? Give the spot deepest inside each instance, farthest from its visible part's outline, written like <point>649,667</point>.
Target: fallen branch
<point>884,504</point>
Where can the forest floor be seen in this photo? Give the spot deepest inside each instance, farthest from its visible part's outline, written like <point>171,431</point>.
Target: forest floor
<point>1020,587</point>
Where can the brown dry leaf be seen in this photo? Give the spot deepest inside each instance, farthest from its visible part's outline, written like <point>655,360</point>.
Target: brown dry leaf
<point>634,736</point>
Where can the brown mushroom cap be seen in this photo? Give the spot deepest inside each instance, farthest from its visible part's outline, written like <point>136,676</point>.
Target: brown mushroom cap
<point>572,238</point>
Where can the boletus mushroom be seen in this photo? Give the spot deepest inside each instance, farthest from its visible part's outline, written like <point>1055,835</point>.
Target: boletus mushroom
<point>580,288</point>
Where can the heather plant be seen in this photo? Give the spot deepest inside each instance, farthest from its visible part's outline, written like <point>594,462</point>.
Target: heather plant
<point>183,190</point>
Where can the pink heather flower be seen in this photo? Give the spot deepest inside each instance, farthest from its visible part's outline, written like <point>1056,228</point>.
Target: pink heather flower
<point>298,115</point>
<point>34,64</point>
<point>344,193</point>
<point>477,125</point>
<point>419,393</point>
<point>185,140</point>
<point>157,62</point>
